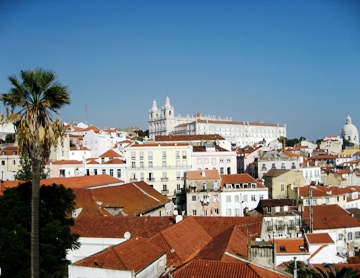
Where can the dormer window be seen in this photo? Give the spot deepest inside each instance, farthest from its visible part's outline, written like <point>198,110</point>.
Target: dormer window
<point>253,185</point>
<point>228,186</point>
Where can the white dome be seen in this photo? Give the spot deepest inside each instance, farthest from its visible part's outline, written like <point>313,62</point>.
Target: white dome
<point>350,132</point>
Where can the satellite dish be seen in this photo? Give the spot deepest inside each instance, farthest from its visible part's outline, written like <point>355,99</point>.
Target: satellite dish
<point>178,218</point>
<point>127,235</point>
<point>175,212</point>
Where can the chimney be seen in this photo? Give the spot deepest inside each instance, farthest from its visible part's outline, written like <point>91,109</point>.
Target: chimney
<point>203,173</point>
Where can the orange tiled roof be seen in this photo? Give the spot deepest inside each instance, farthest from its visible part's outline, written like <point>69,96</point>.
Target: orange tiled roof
<point>206,269</point>
<point>83,181</point>
<point>134,254</point>
<point>133,198</point>
<point>203,175</point>
<point>318,238</point>
<point>116,227</point>
<point>239,178</point>
<point>10,150</point>
<point>110,153</point>
<point>322,219</point>
<point>292,245</point>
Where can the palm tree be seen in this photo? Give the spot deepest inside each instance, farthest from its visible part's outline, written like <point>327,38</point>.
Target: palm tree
<point>345,272</point>
<point>38,95</point>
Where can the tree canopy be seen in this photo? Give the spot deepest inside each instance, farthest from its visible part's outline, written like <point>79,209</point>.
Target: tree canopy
<point>57,203</point>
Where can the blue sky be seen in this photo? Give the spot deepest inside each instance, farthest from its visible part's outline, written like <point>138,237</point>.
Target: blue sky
<point>288,62</point>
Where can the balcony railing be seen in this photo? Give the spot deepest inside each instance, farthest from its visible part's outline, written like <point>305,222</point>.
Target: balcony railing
<point>150,179</point>
<point>164,179</point>
<point>164,192</point>
<point>133,179</point>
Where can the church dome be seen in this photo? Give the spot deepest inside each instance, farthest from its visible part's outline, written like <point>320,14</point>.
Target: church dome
<point>350,132</point>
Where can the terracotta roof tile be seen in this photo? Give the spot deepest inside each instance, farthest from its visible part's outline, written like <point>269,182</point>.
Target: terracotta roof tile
<point>115,227</point>
<point>322,219</point>
<point>203,175</point>
<point>318,238</point>
<point>239,178</point>
<point>291,246</point>
<point>110,153</point>
<point>206,269</point>
<point>134,254</point>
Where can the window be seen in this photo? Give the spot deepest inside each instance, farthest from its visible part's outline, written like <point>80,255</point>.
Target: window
<point>268,209</point>
<point>216,186</point>
<point>141,176</point>
<point>349,235</point>
<point>199,161</point>
<point>205,212</point>
<point>177,154</point>
<point>228,160</point>
<point>204,186</point>
<point>344,197</point>
<point>216,211</point>
<point>142,164</point>
<point>341,236</point>
<point>337,198</point>
<point>133,165</point>
<point>164,154</point>
<point>150,155</point>
<point>193,198</point>
<point>286,208</point>
<point>213,161</point>
<point>357,234</point>
<point>326,200</point>
<point>261,196</point>
<point>178,187</point>
<point>150,164</point>
<point>164,164</point>
<point>253,198</point>
<point>194,212</point>
<point>14,162</point>
<point>253,185</point>
<point>141,155</point>
<point>119,173</point>
<point>103,171</point>
<point>228,199</point>
<point>277,209</point>
<point>228,186</point>
<point>164,187</point>
<point>282,187</point>
<point>178,175</point>
<point>132,155</point>
<point>184,154</point>
<point>2,162</point>
<point>245,198</point>
<point>221,160</point>
<point>273,166</point>
<point>237,212</point>
<point>111,172</point>
<point>177,163</point>
<point>221,170</point>
<point>237,199</point>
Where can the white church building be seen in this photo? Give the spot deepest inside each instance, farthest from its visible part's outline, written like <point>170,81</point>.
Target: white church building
<point>164,122</point>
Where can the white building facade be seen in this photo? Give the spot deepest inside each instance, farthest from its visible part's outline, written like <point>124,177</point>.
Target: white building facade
<point>164,122</point>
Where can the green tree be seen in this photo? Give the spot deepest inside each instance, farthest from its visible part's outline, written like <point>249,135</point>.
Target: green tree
<point>37,96</point>
<point>345,272</point>
<point>302,270</point>
<point>10,138</point>
<point>25,172</point>
<point>57,203</point>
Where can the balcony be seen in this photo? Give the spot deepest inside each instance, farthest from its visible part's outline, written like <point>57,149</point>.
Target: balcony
<point>205,202</point>
<point>165,192</point>
<point>269,228</point>
<point>280,227</point>
<point>165,179</point>
<point>133,180</point>
<point>150,179</point>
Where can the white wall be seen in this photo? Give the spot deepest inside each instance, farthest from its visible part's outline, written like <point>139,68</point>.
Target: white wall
<point>92,272</point>
<point>90,246</point>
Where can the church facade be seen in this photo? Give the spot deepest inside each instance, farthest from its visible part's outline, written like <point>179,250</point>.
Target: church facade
<point>164,122</point>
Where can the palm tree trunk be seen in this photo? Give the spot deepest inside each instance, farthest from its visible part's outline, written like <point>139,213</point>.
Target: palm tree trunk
<point>35,223</point>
